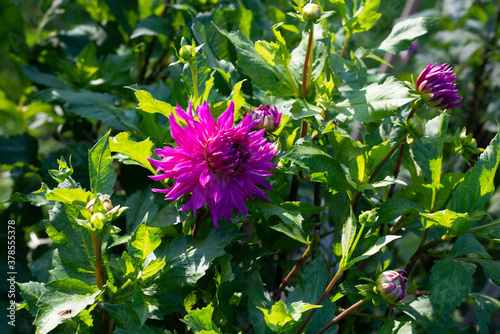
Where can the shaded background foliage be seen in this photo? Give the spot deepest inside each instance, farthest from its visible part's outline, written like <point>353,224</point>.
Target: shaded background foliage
<point>65,65</point>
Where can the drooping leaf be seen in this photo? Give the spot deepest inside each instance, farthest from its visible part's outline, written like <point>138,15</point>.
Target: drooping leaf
<point>344,147</point>
<point>102,172</point>
<point>450,282</point>
<point>485,307</point>
<point>143,304</point>
<point>468,244</point>
<point>381,242</point>
<point>31,293</point>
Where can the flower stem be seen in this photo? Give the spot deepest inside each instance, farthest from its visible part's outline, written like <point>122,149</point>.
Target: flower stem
<point>199,220</point>
<point>346,43</point>
<point>423,248</point>
<point>308,252</point>
<point>309,55</point>
<point>320,300</point>
<point>343,314</point>
<point>482,227</point>
<point>195,81</point>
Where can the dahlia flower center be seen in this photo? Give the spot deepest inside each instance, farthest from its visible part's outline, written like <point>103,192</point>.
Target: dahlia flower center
<point>226,156</point>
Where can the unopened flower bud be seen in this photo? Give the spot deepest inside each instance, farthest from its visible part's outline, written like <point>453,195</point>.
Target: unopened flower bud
<point>391,286</point>
<point>311,12</point>
<point>435,86</point>
<point>187,52</point>
<point>98,220</point>
<point>415,127</point>
<point>268,118</point>
<point>106,203</point>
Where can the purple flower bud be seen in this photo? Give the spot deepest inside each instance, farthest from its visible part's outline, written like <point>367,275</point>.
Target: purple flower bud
<point>435,85</point>
<point>106,203</point>
<point>268,118</point>
<point>391,285</point>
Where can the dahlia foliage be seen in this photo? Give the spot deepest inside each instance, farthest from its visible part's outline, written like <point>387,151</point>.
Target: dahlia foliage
<point>221,165</point>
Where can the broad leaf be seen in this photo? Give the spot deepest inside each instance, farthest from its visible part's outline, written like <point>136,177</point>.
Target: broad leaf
<point>136,151</point>
<point>143,304</point>
<point>144,241</point>
<point>200,320</point>
<point>456,223</point>
<point>150,105</point>
<point>374,249</point>
<point>102,172</point>
<point>31,293</point>
<point>450,282</point>
<point>468,244</point>
<point>68,196</point>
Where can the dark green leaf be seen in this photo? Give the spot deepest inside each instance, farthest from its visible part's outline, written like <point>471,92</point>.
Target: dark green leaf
<point>468,244</point>
<point>395,207</point>
<point>143,304</point>
<point>169,215</point>
<point>450,282</point>
<point>344,147</point>
<point>31,293</point>
<point>485,307</point>
<point>322,166</point>
<point>152,26</point>
<point>140,203</point>
<point>381,242</point>
<point>492,269</point>
<point>22,148</point>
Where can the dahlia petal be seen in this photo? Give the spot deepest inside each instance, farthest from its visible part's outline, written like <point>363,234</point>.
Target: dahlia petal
<point>226,119</point>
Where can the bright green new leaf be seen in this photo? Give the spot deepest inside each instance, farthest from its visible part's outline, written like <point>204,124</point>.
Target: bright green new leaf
<point>150,105</point>
<point>200,320</point>
<point>144,241</point>
<point>365,17</point>
<point>283,316</point>
<point>348,237</point>
<point>136,151</point>
<point>450,282</point>
<point>69,196</point>
<point>102,172</point>
<point>153,268</point>
<point>456,223</point>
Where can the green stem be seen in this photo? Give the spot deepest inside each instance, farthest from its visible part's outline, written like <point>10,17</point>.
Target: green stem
<point>343,314</point>
<point>346,43</point>
<point>320,300</point>
<point>482,227</point>
<point>195,80</point>
<point>450,164</point>
<point>309,51</point>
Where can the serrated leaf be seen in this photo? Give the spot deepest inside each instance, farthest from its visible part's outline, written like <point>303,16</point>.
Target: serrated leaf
<point>478,185</point>
<point>344,147</point>
<point>63,300</point>
<point>376,102</point>
<point>348,236</point>
<point>150,105</point>
<point>485,307</point>
<point>404,32</point>
<point>140,203</point>
<point>322,167</point>
<point>137,151</point>
<point>153,268</point>
<point>144,241</point>
<point>271,79</point>
<point>102,172</point>
<point>456,223</point>
<point>68,196</point>
<point>365,17</point>
<point>450,282</point>
<point>492,269</point>
<point>143,304</point>
<point>467,244</point>
<point>31,293</point>
<point>169,215</point>
<point>381,242</point>
<point>428,150</point>
<point>200,320</point>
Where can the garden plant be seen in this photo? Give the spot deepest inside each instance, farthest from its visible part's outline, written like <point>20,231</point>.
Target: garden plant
<point>250,166</point>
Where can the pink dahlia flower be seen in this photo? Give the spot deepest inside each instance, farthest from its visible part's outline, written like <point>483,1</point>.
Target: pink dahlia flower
<point>435,85</point>
<point>221,165</point>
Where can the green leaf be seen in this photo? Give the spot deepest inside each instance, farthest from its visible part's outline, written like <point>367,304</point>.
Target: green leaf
<point>152,26</point>
<point>301,108</point>
<point>271,79</point>
<point>323,168</point>
<point>348,237</point>
<point>143,304</point>
<point>376,102</point>
<point>283,316</point>
<point>136,151</point>
<point>381,242</point>
<point>485,307</point>
<point>142,207</point>
<point>404,32</point>
<point>62,300</point>
<point>22,148</point>
<point>68,196</point>
<point>31,293</point>
<point>450,282</point>
<point>153,268</point>
<point>150,105</point>
<point>200,320</point>
<point>144,241</point>
<point>102,172</point>
<point>456,223</point>
<point>475,190</point>
<point>127,321</point>
<point>258,298</point>
<point>428,150</point>
<point>468,244</point>
<point>365,17</point>
<point>344,147</point>
<point>492,269</point>
<point>169,215</point>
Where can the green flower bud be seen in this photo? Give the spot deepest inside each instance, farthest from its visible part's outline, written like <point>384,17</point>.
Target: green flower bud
<point>311,12</point>
<point>98,220</point>
<point>106,203</point>
<point>187,52</point>
<point>415,127</point>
